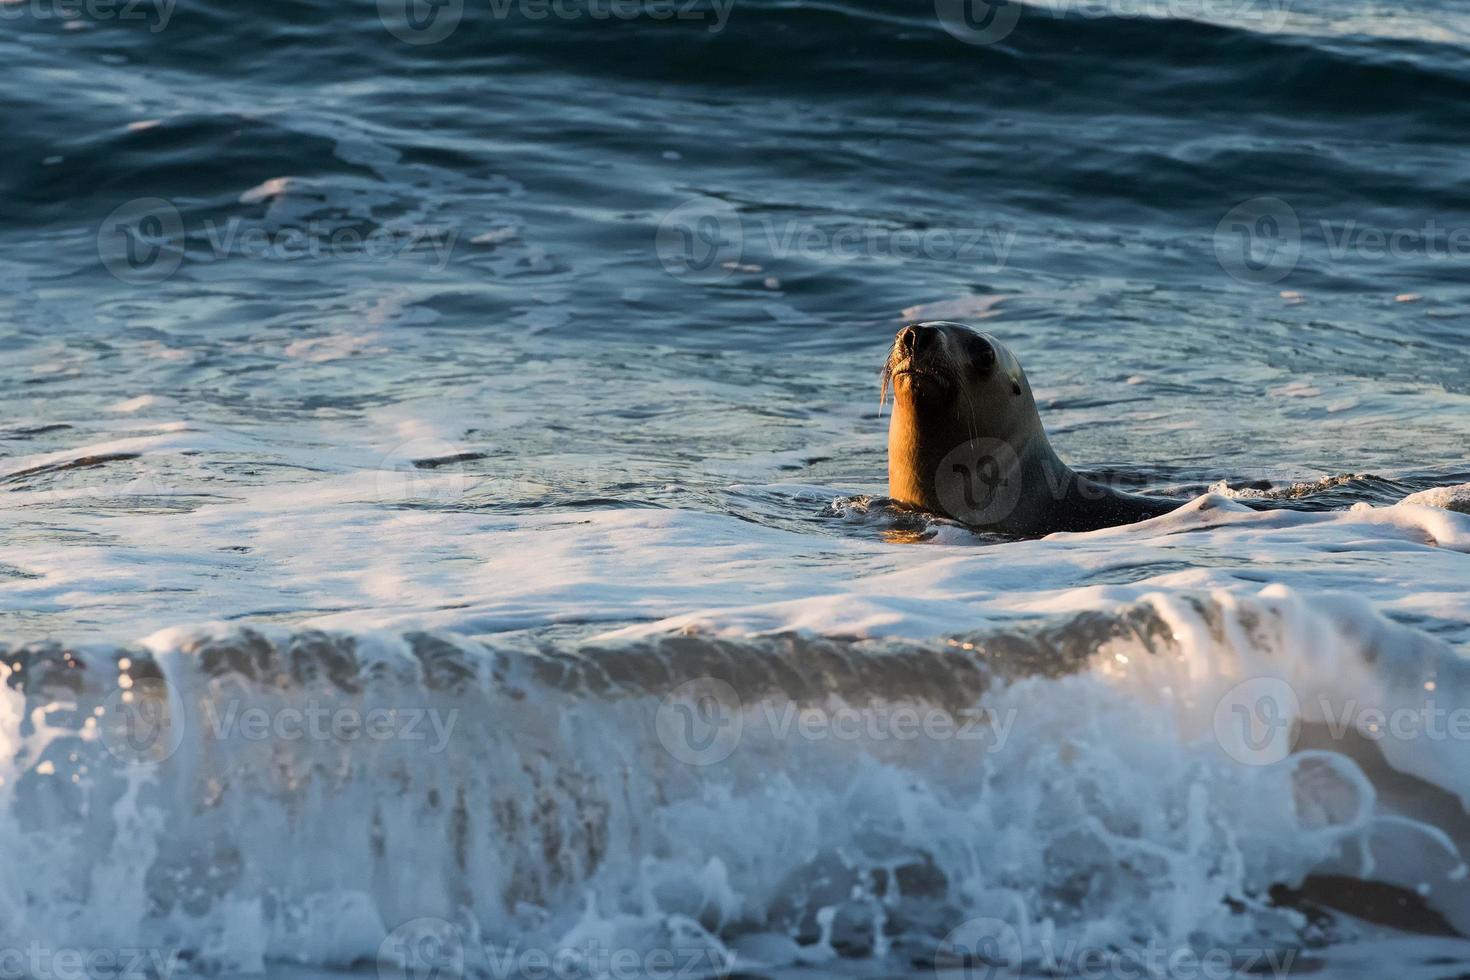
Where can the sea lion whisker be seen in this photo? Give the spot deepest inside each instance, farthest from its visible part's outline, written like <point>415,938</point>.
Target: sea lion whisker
<point>887,375</point>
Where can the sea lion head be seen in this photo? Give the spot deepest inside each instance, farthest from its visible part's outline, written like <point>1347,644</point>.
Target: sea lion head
<point>964,433</point>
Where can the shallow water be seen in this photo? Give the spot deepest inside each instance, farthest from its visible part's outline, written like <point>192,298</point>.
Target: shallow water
<point>559,337</point>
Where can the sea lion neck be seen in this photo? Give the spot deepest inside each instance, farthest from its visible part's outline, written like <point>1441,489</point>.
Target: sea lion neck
<point>914,451</point>
<point>941,461</point>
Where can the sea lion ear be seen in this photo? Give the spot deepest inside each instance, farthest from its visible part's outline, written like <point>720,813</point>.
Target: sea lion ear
<point>1015,387</point>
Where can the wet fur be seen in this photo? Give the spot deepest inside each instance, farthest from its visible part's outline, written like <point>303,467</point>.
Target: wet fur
<point>947,394</point>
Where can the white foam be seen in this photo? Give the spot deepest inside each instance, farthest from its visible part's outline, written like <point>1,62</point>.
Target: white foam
<point>555,817</point>
<point>1446,498</point>
<point>1114,773</point>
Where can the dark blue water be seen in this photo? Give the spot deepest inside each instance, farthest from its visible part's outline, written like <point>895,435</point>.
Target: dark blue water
<point>1075,173</point>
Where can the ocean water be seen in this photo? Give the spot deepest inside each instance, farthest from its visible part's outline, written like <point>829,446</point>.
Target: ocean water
<point>441,489</point>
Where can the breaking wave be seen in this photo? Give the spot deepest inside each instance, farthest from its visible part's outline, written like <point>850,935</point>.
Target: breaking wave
<point>243,797</point>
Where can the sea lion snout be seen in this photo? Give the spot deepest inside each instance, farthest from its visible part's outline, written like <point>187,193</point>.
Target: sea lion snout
<point>916,338</point>
<point>920,363</point>
<point>956,340</point>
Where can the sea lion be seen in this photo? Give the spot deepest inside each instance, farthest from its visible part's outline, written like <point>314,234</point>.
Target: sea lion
<point>965,441</point>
